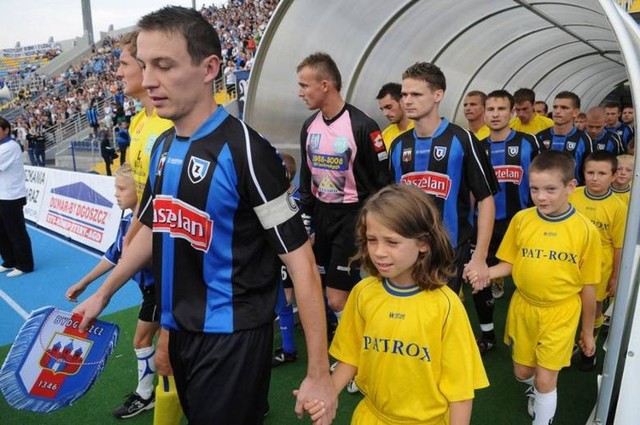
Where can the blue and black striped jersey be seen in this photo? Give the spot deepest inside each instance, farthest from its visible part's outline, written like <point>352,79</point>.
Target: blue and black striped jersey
<point>577,143</point>
<point>511,159</point>
<point>221,208</point>
<point>608,141</point>
<point>450,165</point>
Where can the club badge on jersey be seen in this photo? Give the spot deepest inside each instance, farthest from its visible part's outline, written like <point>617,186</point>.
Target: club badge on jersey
<point>52,364</point>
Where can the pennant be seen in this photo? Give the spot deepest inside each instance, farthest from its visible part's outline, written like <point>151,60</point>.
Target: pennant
<point>52,364</point>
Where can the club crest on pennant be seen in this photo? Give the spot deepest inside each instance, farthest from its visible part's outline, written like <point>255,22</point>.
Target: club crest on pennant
<point>51,364</point>
<point>197,169</point>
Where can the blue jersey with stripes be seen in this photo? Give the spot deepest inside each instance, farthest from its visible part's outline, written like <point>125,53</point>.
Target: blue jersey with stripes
<point>144,277</point>
<point>450,165</point>
<point>511,159</point>
<point>577,143</point>
<point>624,131</point>
<point>221,208</point>
<point>608,141</point>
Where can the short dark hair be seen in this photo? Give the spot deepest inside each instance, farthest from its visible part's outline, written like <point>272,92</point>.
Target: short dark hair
<point>5,124</point>
<point>501,94</point>
<point>392,89</point>
<point>202,39</point>
<point>575,100</point>
<point>613,105</point>
<point>552,160</point>
<point>542,102</point>
<point>524,95</point>
<point>603,156</point>
<point>428,73</point>
<point>324,65</point>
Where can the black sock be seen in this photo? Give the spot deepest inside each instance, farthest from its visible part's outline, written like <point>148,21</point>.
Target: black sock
<point>490,335</point>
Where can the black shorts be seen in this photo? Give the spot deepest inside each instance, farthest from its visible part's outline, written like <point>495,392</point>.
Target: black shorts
<point>223,378</point>
<point>499,229</point>
<point>463,255</point>
<point>149,311</point>
<point>335,245</point>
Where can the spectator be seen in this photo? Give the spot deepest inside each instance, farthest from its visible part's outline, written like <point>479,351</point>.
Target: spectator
<point>123,139</point>
<point>15,244</point>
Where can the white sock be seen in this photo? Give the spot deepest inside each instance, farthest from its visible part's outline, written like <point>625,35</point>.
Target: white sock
<point>338,315</point>
<point>544,407</point>
<point>486,327</point>
<point>528,381</point>
<point>146,371</point>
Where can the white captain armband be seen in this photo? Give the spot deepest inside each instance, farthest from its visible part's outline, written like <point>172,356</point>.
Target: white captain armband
<point>277,211</point>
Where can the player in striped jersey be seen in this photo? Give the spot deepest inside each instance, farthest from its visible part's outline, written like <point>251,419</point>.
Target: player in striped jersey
<point>624,131</point>
<point>447,162</point>
<point>603,139</point>
<point>510,153</point>
<point>563,136</point>
<point>217,214</point>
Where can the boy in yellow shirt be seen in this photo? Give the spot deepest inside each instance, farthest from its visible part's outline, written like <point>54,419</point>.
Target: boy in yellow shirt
<point>554,255</point>
<point>608,213</point>
<point>621,185</point>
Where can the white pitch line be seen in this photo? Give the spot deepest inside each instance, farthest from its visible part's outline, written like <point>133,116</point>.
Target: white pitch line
<point>14,305</point>
<point>61,240</point>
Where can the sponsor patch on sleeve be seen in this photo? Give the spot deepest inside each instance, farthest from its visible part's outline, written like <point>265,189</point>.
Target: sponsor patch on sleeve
<point>377,141</point>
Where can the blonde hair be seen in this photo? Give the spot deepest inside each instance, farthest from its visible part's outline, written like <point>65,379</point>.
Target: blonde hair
<point>124,171</point>
<point>409,212</point>
<point>626,157</point>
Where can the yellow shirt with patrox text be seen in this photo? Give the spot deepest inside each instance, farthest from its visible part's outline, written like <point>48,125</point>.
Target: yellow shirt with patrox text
<point>414,350</point>
<point>609,214</point>
<point>144,130</point>
<point>552,257</point>
<point>623,194</point>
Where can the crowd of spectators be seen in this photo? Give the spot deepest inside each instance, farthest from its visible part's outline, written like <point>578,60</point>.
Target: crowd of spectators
<point>71,94</point>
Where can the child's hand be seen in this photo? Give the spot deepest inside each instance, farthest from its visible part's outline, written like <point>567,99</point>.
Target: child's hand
<point>315,409</point>
<point>587,343</point>
<point>75,291</point>
<point>612,286</point>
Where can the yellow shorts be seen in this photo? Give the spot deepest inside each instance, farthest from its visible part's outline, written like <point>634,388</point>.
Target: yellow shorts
<point>601,288</point>
<point>364,415</point>
<point>542,336</point>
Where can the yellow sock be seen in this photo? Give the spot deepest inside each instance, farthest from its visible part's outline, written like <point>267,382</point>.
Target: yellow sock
<point>167,410</point>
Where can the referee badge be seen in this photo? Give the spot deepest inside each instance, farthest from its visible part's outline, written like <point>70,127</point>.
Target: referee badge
<point>513,150</point>
<point>439,152</point>
<point>197,169</point>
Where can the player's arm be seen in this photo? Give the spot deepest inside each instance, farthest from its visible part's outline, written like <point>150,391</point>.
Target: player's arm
<point>486,217</point>
<point>587,341</point>
<point>460,412</point>
<point>79,287</point>
<point>307,200</point>
<point>138,256</point>
<point>134,228</point>
<point>612,285</point>
<point>306,282</point>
